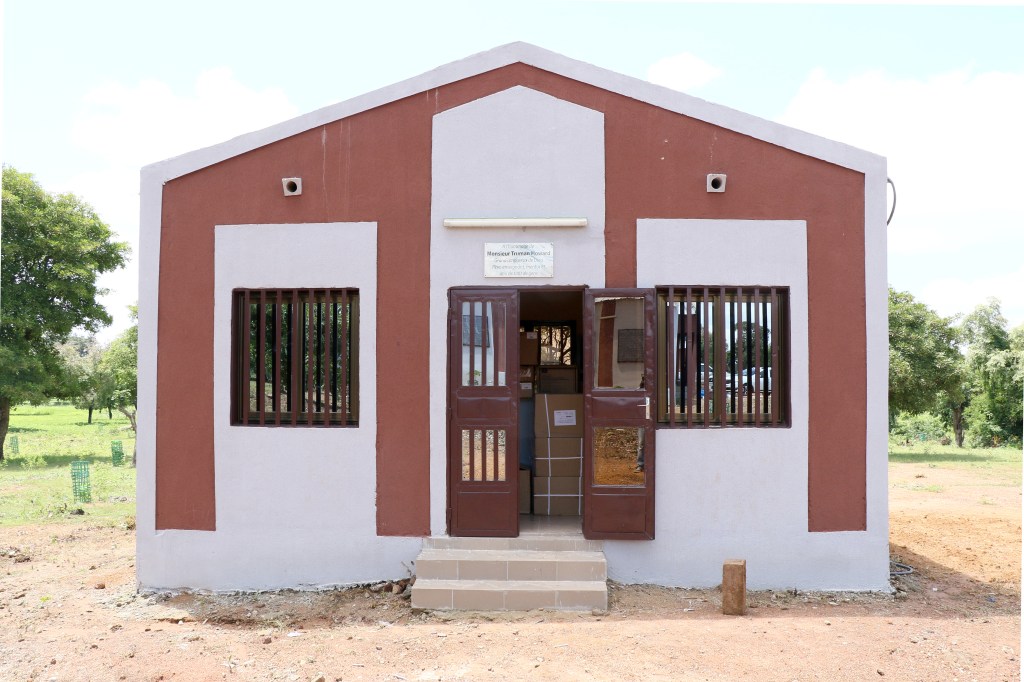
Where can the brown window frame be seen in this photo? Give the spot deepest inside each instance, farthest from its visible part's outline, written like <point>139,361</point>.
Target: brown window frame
<point>322,392</point>
<point>693,351</point>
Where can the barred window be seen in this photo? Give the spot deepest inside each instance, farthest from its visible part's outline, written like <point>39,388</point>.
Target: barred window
<point>723,356</point>
<point>295,357</point>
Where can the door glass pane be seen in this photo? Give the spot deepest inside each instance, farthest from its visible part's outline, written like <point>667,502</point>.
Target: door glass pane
<point>484,352</point>
<point>618,343</point>
<point>618,455</point>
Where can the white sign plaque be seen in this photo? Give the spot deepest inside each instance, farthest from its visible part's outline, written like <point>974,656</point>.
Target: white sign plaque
<point>519,259</point>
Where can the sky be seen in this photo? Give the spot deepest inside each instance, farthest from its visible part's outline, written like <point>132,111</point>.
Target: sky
<point>94,91</point>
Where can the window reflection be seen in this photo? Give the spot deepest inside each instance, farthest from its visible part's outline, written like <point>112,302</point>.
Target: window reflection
<point>619,456</point>
<point>618,343</point>
<point>483,344</point>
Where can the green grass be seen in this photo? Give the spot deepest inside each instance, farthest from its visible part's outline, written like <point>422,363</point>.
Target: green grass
<point>1004,462</point>
<point>35,484</point>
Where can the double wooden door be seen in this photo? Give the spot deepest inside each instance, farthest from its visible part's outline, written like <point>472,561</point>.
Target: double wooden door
<point>483,413</point>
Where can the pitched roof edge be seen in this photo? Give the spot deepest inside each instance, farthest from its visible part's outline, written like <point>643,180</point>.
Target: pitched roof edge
<point>672,100</point>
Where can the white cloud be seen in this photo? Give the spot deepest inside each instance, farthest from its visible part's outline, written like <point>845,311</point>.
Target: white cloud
<point>951,295</point>
<point>951,141</point>
<point>125,127</point>
<point>147,122</point>
<point>953,146</point>
<point>683,72</point>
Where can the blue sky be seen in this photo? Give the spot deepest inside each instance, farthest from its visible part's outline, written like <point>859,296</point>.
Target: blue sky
<point>93,91</point>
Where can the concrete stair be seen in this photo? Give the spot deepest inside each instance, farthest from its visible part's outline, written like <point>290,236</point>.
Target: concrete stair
<point>563,572</point>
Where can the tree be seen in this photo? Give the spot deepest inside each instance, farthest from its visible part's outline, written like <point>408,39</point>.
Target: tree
<point>955,397</point>
<point>121,362</point>
<point>925,363</point>
<point>53,247</point>
<point>995,357</point>
<point>88,384</point>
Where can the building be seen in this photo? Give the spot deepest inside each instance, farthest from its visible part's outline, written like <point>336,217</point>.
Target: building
<point>355,323</point>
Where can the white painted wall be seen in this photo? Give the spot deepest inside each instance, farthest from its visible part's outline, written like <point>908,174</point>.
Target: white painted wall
<point>516,154</point>
<point>742,493</point>
<point>296,507</point>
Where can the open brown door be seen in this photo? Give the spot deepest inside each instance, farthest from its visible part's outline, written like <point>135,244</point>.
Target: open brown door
<point>618,394</point>
<point>483,412</point>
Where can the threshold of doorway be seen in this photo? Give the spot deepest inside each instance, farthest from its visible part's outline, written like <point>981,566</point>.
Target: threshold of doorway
<point>532,525</point>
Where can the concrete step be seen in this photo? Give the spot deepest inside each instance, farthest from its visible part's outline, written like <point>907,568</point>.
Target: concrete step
<point>511,564</point>
<point>509,595</point>
<point>532,571</point>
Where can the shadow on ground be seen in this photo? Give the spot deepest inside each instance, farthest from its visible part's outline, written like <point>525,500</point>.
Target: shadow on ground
<point>962,596</point>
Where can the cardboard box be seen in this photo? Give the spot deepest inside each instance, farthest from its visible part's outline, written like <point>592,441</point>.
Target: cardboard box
<point>525,491</point>
<point>529,348</point>
<point>525,389</point>
<point>558,447</point>
<point>557,505</point>
<point>558,485</point>
<point>559,380</point>
<point>548,468</point>
<point>558,416</point>
<point>558,457</point>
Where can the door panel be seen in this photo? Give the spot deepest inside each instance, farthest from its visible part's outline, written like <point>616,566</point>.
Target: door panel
<point>618,445</point>
<point>483,389</point>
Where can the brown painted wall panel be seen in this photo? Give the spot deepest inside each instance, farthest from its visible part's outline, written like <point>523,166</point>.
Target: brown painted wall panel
<point>386,177</point>
<point>370,167</point>
<point>246,189</point>
<point>376,167</point>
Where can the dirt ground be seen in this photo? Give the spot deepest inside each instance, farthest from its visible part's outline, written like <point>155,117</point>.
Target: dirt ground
<point>69,611</point>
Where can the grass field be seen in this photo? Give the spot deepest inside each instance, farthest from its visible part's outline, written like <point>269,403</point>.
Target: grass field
<point>35,483</point>
<point>1004,463</point>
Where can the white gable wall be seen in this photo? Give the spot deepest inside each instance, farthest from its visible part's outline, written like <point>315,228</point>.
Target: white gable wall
<point>518,153</point>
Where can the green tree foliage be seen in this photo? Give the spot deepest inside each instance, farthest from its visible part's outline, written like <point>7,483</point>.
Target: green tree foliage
<point>88,384</point>
<point>911,427</point>
<point>53,248</point>
<point>120,362</point>
<point>995,357</point>
<point>925,363</point>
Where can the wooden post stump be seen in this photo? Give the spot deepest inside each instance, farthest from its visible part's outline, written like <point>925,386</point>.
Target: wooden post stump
<point>734,587</point>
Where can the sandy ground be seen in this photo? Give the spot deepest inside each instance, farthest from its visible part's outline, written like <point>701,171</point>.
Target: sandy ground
<point>69,611</point>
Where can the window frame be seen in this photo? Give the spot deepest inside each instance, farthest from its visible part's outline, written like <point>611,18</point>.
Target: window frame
<point>718,312</point>
<point>329,384</point>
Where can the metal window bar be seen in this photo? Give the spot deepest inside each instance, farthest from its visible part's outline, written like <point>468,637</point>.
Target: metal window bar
<point>346,345</point>
<point>278,296</point>
<point>297,352</point>
<point>776,413</point>
<point>334,356</point>
<point>691,346</point>
<point>246,334</point>
<point>298,310</point>
<point>726,335</point>
<point>261,354</point>
<point>757,384</point>
<point>671,343</point>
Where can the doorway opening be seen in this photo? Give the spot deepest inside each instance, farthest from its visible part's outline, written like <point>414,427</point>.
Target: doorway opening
<point>550,410</point>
